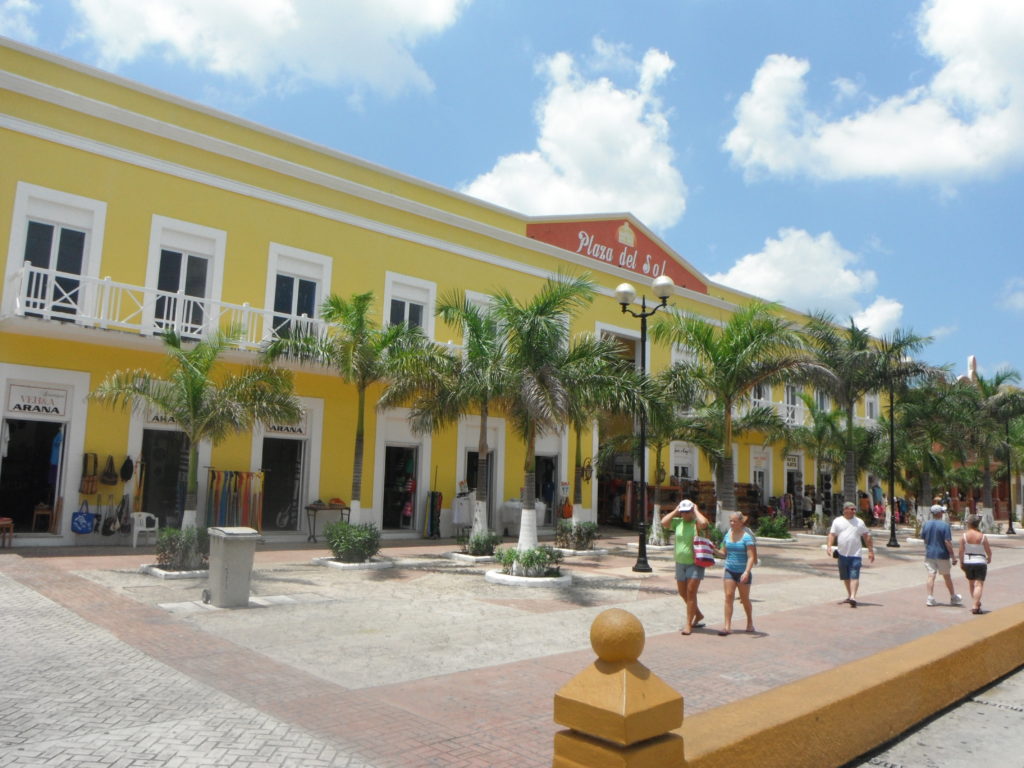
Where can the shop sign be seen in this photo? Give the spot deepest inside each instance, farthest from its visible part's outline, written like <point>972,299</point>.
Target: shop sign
<point>681,453</point>
<point>27,400</point>
<point>793,463</point>
<point>617,243</point>
<point>301,429</point>
<point>159,419</point>
<point>759,458</point>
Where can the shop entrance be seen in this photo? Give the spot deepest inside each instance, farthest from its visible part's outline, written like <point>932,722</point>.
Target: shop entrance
<point>283,468</point>
<point>161,484</point>
<point>33,453</point>
<point>400,468</point>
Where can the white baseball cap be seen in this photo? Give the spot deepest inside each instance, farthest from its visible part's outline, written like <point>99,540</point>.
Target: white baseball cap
<point>685,505</point>
<point>937,509</point>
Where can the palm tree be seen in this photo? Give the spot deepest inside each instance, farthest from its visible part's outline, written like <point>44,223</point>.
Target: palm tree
<point>999,402</point>
<point>821,435</point>
<point>361,352</point>
<point>754,346</point>
<point>545,365</point>
<point>445,387</point>
<point>933,418</point>
<point>859,365</point>
<point>204,408</point>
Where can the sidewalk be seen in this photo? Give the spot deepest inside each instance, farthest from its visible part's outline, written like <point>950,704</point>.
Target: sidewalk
<point>424,664</point>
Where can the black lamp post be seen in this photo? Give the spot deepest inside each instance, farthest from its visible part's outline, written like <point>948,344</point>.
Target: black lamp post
<point>625,294</point>
<point>1009,483</point>
<point>892,465</point>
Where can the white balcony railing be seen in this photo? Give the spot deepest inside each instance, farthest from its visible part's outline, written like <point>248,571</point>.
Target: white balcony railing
<point>104,303</point>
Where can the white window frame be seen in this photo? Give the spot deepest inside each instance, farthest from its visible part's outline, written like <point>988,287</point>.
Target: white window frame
<point>680,449</point>
<point>681,354</point>
<point>32,201</point>
<point>174,234</point>
<point>765,395</point>
<point>296,262</point>
<point>791,410</point>
<point>822,400</point>
<point>871,406</point>
<point>410,289</point>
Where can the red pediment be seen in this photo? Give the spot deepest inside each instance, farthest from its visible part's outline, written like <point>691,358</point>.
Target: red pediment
<point>617,242</point>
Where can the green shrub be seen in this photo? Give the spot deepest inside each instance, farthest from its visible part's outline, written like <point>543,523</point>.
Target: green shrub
<point>183,550</point>
<point>576,536</point>
<point>536,562</point>
<point>352,543</point>
<point>483,544</point>
<point>773,527</point>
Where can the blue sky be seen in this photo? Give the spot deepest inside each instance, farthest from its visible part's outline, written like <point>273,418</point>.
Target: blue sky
<point>859,156</point>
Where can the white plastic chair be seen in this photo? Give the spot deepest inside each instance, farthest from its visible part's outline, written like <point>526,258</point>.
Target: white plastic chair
<point>143,522</point>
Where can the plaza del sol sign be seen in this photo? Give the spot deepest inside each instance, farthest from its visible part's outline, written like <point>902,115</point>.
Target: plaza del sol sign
<point>619,244</point>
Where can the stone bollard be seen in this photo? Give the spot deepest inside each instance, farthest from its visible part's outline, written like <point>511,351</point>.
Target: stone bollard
<point>619,712</point>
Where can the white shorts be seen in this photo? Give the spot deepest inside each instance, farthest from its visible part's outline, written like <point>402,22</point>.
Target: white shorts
<point>938,565</point>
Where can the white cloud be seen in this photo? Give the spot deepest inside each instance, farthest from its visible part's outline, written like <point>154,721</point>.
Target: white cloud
<point>968,120</point>
<point>943,331</point>
<point>881,317</point>
<point>600,148</point>
<point>16,19</point>
<point>1012,296</point>
<point>363,44</point>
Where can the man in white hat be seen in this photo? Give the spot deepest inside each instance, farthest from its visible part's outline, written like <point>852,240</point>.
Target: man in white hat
<point>938,554</point>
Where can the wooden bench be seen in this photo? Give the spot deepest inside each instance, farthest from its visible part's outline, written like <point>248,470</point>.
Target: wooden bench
<point>6,532</point>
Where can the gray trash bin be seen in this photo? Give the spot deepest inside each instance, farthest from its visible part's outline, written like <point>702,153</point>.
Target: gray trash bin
<point>231,555</point>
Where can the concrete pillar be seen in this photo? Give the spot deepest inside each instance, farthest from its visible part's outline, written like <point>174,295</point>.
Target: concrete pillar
<point>617,711</point>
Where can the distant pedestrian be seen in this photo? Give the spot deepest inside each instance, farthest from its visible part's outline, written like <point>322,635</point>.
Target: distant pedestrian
<point>938,554</point>
<point>739,548</point>
<point>686,521</point>
<point>849,535</point>
<point>975,555</point>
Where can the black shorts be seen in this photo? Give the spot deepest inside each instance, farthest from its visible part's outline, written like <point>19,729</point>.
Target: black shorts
<point>975,571</point>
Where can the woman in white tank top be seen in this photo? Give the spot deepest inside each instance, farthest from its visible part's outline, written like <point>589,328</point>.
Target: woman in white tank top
<point>975,555</point>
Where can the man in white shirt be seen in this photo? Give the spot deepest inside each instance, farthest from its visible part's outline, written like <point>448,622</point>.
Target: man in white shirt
<point>846,535</point>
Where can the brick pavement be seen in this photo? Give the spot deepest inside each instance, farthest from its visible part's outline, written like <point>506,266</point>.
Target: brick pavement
<point>179,687</point>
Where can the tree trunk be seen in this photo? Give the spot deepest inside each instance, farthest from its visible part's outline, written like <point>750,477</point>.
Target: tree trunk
<point>986,486</point>
<point>850,465</point>
<point>926,491</point>
<point>725,490</point>
<point>482,478</point>
<point>528,516</point>
<point>357,461</point>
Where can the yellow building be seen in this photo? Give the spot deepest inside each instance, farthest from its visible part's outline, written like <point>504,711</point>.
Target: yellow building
<point>126,210</point>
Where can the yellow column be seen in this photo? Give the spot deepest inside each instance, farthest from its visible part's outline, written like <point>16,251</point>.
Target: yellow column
<point>619,713</point>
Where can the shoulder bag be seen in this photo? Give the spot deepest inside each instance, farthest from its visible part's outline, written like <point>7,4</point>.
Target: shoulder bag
<point>109,476</point>
<point>90,480</point>
<point>703,552</point>
<point>82,521</point>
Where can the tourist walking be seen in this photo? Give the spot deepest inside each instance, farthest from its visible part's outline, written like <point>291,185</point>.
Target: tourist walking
<point>938,554</point>
<point>739,548</point>
<point>686,521</point>
<point>975,555</point>
<point>849,535</point>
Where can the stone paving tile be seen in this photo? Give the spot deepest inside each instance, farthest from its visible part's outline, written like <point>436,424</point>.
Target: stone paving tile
<point>495,715</point>
<point>78,696</point>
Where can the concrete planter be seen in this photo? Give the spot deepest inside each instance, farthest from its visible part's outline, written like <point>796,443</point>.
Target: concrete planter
<point>160,573</point>
<point>581,552</point>
<point>497,577</point>
<point>370,565</point>
<point>462,557</point>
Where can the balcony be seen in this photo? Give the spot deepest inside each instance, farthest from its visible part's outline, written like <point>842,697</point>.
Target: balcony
<point>90,302</point>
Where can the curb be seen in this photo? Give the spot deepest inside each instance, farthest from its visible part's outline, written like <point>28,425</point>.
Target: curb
<point>836,716</point>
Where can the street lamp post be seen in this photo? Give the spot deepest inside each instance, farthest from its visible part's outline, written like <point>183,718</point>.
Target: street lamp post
<point>892,465</point>
<point>1009,483</point>
<point>625,294</point>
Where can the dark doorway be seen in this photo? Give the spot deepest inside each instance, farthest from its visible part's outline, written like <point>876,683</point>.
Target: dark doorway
<point>399,486</point>
<point>30,469</point>
<point>282,463</point>
<point>161,456</point>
